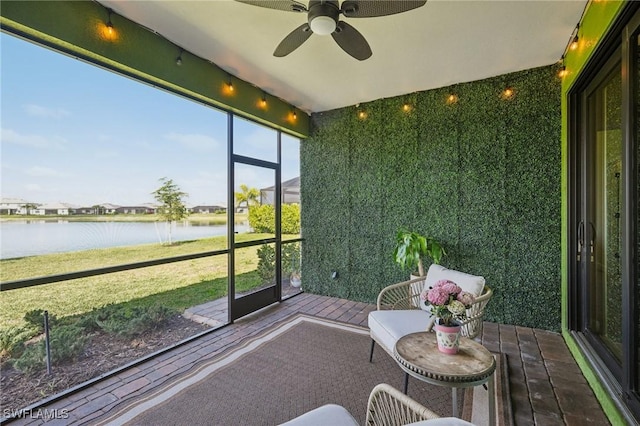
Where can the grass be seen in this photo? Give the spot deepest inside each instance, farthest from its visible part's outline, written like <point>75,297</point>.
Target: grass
<point>176,285</point>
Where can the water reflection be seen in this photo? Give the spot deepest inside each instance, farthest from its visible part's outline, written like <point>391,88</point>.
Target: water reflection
<point>41,236</point>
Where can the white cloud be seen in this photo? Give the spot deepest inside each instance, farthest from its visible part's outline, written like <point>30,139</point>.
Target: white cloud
<point>44,112</point>
<point>194,141</point>
<point>34,141</point>
<point>38,171</point>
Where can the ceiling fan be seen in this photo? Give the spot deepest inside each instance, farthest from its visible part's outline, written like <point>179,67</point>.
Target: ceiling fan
<point>323,19</point>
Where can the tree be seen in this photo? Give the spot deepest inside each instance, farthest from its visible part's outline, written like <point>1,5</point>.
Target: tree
<point>27,208</point>
<point>98,209</point>
<point>171,207</point>
<point>247,196</point>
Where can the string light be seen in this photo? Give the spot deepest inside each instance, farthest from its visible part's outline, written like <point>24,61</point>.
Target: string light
<point>406,107</point>
<point>563,69</point>
<point>362,115</point>
<point>574,41</point>
<point>572,45</point>
<point>262,103</point>
<point>452,99</point>
<point>228,85</point>
<point>507,93</point>
<point>562,72</point>
<point>179,58</point>
<point>107,31</point>
<point>110,30</point>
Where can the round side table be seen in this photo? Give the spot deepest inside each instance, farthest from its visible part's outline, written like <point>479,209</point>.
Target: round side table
<point>418,355</point>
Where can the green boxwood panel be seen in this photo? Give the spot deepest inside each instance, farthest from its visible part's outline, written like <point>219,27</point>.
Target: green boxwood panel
<point>481,175</point>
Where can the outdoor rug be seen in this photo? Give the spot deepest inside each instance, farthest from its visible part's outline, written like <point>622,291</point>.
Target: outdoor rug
<point>287,369</point>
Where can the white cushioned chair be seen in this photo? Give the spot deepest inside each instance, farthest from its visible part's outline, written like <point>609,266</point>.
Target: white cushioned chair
<point>387,406</point>
<point>400,311</point>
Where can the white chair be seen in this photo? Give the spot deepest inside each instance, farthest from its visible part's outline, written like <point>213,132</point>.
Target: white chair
<point>387,406</point>
<point>329,414</point>
<point>400,311</point>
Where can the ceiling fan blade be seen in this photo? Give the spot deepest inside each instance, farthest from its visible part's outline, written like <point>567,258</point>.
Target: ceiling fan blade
<point>286,5</point>
<point>373,8</point>
<point>351,41</point>
<point>294,40</point>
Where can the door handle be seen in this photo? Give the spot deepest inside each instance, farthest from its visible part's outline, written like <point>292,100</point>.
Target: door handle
<point>580,241</point>
<point>592,242</point>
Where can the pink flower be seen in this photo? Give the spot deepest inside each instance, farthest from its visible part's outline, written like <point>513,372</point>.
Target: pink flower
<point>448,286</point>
<point>448,300</point>
<point>451,288</point>
<point>466,298</point>
<point>437,296</point>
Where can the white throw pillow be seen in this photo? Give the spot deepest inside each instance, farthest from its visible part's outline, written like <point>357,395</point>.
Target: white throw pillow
<point>473,284</point>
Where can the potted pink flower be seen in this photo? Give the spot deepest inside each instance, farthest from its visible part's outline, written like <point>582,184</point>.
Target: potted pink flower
<point>449,305</point>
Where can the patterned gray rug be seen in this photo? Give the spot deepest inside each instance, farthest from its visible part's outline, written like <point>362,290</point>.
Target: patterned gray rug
<point>292,367</point>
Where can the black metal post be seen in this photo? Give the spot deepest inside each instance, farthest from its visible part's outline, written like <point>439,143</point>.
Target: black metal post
<point>46,340</point>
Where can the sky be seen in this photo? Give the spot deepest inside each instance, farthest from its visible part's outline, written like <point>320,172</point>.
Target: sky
<point>71,132</point>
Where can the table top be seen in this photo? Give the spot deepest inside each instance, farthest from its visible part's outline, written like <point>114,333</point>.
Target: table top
<point>418,352</point>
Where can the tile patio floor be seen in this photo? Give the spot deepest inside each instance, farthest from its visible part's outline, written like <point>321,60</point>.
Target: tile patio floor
<point>546,385</point>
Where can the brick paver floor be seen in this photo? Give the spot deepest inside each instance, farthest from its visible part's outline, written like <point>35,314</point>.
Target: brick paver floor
<point>546,385</point>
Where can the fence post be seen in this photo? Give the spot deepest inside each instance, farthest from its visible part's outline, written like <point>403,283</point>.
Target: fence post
<point>46,341</point>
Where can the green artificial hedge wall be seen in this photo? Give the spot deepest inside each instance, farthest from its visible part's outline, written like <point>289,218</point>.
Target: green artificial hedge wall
<point>481,175</point>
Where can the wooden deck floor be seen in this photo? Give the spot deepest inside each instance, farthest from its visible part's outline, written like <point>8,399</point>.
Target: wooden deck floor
<point>546,385</point>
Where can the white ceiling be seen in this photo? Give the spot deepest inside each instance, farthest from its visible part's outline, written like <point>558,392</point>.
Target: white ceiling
<point>442,43</point>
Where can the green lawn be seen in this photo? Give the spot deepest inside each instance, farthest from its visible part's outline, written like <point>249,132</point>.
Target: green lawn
<point>177,285</point>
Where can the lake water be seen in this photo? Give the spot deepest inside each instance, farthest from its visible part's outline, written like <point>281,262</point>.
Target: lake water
<point>34,237</point>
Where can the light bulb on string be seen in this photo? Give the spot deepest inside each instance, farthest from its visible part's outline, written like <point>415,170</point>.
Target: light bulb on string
<point>108,31</point>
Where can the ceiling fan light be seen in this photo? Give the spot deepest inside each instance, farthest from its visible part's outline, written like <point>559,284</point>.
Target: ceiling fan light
<point>323,25</point>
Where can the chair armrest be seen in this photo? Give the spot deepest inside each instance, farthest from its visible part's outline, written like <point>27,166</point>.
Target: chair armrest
<point>389,407</point>
<point>404,295</point>
<point>472,326</point>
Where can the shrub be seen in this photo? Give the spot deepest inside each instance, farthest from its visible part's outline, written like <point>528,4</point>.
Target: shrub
<point>67,342</point>
<point>127,322</point>
<point>68,337</point>
<point>266,263</point>
<point>262,219</point>
<point>290,219</point>
<point>32,359</point>
<point>36,319</point>
<point>290,258</point>
<point>12,339</point>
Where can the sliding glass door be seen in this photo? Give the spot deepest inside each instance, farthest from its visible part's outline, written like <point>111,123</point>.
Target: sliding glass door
<point>635,130</point>
<point>603,215</point>
<point>601,211</point>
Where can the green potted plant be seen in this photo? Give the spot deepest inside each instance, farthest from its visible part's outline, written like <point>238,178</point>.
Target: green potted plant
<point>411,247</point>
